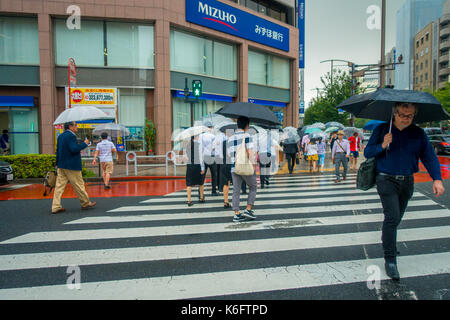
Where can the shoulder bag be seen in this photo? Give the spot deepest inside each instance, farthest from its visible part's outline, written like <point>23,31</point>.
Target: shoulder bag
<point>242,165</point>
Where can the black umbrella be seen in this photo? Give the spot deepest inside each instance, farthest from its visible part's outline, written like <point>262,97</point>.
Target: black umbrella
<point>255,112</point>
<point>378,105</point>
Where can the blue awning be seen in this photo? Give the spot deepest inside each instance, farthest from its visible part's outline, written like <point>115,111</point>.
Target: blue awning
<point>268,103</point>
<point>16,101</point>
<point>205,96</point>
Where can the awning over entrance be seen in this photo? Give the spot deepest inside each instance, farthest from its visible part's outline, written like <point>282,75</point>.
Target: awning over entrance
<point>16,101</point>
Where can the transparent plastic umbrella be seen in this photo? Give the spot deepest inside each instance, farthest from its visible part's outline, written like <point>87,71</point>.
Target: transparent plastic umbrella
<point>190,132</point>
<point>113,129</point>
<point>331,129</point>
<point>348,131</point>
<point>81,113</point>
<point>290,135</point>
<point>334,124</point>
<point>319,125</point>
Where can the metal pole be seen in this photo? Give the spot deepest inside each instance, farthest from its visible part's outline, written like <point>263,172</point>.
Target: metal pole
<point>383,37</point>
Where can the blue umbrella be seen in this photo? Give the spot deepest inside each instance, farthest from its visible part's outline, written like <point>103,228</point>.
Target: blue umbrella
<point>312,130</point>
<point>372,124</point>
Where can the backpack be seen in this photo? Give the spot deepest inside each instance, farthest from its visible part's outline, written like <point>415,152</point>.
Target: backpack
<point>49,182</point>
<point>242,165</point>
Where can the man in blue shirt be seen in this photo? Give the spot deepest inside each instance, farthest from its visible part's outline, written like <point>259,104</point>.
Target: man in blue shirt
<point>397,155</point>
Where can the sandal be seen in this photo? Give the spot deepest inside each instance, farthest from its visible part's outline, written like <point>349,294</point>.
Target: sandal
<point>226,205</point>
<point>190,204</point>
<point>202,200</point>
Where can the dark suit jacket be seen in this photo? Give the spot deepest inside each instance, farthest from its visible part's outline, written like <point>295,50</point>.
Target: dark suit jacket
<point>290,148</point>
<point>68,151</point>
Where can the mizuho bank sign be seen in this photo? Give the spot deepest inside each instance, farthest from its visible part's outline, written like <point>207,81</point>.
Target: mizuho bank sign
<point>218,16</point>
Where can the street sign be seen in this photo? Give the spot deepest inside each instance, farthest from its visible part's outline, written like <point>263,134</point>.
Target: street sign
<point>72,76</point>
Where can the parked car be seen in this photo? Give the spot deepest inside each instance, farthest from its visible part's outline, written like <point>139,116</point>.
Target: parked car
<point>432,131</point>
<point>6,173</point>
<point>440,143</point>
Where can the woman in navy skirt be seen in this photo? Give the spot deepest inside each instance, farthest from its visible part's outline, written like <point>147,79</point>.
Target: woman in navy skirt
<point>195,169</point>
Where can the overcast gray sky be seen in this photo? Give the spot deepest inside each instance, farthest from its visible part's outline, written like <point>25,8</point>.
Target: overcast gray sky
<point>337,29</point>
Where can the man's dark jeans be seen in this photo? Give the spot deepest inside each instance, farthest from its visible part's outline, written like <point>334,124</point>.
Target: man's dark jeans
<point>394,195</point>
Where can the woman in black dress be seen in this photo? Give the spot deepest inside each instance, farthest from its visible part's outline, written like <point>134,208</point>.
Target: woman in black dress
<point>195,169</point>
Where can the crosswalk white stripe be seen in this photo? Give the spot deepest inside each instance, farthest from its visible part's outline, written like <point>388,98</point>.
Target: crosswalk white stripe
<point>283,195</point>
<point>220,213</point>
<point>358,197</point>
<point>109,233</point>
<point>198,250</point>
<point>272,188</point>
<point>237,282</point>
<point>309,176</point>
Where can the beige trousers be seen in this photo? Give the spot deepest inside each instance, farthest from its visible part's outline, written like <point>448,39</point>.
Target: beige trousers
<point>76,180</point>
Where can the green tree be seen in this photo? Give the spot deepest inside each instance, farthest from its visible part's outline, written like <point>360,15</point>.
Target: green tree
<point>443,95</point>
<point>323,108</point>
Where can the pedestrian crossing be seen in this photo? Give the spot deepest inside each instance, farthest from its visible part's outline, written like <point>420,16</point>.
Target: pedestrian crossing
<point>310,233</point>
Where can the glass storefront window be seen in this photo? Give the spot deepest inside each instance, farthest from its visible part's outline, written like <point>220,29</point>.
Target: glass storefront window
<point>126,44</point>
<point>193,54</point>
<point>181,112</point>
<point>23,133</point>
<point>130,45</point>
<point>19,41</point>
<point>84,45</point>
<point>268,70</point>
<point>132,115</point>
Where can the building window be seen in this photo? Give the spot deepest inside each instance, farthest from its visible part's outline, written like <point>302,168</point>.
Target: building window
<point>130,45</point>
<point>19,41</point>
<point>99,43</point>
<point>198,55</point>
<point>84,45</point>
<point>181,112</point>
<point>269,70</point>
<point>252,5</point>
<point>426,76</point>
<point>427,36</point>
<point>131,111</point>
<point>426,63</point>
<point>417,43</point>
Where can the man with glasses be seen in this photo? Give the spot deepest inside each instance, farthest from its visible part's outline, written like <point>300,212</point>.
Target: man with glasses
<point>397,158</point>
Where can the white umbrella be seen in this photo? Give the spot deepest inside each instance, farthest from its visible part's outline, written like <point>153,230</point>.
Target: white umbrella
<point>113,129</point>
<point>190,132</point>
<point>81,113</point>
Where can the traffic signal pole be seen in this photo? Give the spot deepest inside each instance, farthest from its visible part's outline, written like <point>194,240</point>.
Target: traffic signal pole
<point>197,90</point>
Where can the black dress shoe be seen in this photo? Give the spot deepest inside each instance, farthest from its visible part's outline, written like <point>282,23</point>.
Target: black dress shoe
<point>392,271</point>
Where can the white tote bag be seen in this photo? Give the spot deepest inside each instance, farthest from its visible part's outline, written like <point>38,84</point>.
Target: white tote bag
<point>242,165</point>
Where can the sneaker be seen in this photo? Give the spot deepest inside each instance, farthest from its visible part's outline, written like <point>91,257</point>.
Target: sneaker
<point>249,214</point>
<point>238,218</point>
